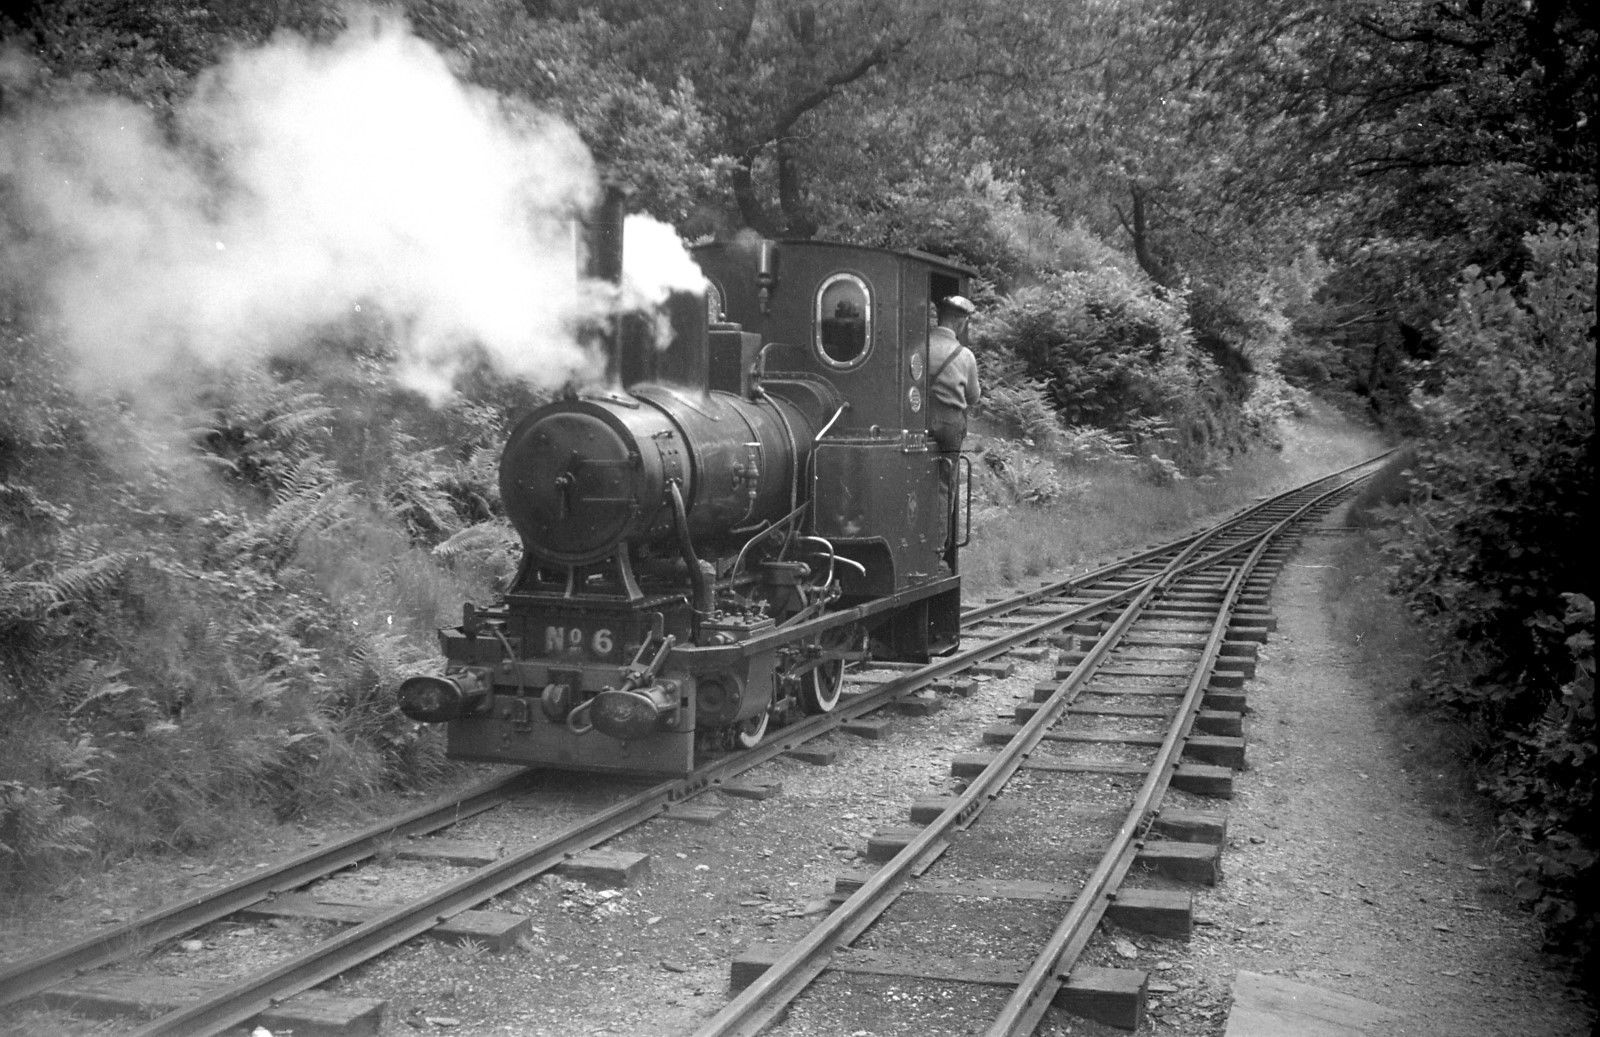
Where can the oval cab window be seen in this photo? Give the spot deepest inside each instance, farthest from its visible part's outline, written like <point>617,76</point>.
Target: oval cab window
<point>844,321</point>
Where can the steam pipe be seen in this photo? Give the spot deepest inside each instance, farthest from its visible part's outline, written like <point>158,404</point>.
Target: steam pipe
<point>738,562</point>
<point>704,602</point>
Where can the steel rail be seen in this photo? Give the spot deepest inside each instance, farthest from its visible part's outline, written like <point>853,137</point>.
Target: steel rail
<point>1025,1008</point>
<point>769,994</point>
<point>23,979</point>
<point>234,1004</point>
<point>766,997</point>
<point>238,1002</point>
<point>1044,978</point>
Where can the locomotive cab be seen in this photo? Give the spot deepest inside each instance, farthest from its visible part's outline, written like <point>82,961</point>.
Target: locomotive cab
<point>859,317</point>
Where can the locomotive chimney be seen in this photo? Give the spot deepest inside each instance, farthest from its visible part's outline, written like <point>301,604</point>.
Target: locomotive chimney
<point>639,347</point>
<point>685,360</point>
<point>603,238</point>
<point>602,261</point>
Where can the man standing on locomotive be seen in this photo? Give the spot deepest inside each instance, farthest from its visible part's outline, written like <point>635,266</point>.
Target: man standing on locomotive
<point>953,385</point>
<point>952,389</point>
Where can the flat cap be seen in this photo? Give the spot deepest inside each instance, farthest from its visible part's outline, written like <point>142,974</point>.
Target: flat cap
<point>958,302</point>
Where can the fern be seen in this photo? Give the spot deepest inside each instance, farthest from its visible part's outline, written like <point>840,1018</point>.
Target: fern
<point>1088,444</point>
<point>1160,470</point>
<point>22,601</point>
<point>262,431</point>
<point>488,552</point>
<point>1146,431</point>
<point>90,581</point>
<point>101,694</point>
<point>424,504</point>
<point>21,504</point>
<point>73,764</point>
<point>27,603</point>
<point>1013,476</point>
<point>478,544</point>
<point>300,414</point>
<point>307,501</point>
<point>36,832</point>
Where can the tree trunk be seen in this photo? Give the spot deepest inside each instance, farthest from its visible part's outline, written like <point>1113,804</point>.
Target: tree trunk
<point>751,212</point>
<point>1138,229</point>
<point>791,196</point>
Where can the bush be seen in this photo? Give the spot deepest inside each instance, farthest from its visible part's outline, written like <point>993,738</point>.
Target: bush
<point>36,834</point>
<point>1007,475</point>
<point>1493,550</point>
<point>205,629</point>
<point>1544,782</point>
<point>1020,404</point>
<point>1096,340</point>
<point>1110,351</point>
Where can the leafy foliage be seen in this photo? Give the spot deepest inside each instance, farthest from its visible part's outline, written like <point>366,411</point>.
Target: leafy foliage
<point>1112,352</point>
<point>1008,476</point>
<point>195,637</point>
<point>1099,343</point>
<point>1490,550</point>
<point>37,832</point>
<point>1544,782</point>
<point>1017,402</point>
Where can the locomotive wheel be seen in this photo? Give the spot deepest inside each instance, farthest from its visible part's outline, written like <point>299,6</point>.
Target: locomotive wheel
<point>748,733</point>
<point>821,688</point>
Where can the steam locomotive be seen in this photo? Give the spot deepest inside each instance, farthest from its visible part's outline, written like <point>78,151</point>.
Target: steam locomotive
<point>705,548</point>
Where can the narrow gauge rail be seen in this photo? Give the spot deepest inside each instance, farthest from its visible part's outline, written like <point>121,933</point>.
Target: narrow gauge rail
<point>1236,550</point>
<point>1065,603</point>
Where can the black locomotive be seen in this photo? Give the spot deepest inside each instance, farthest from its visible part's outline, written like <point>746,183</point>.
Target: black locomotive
<point>708,545</point>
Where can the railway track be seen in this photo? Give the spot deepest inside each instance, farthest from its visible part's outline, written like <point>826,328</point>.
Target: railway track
<point>1147,605</point>
<point>1152,665</point>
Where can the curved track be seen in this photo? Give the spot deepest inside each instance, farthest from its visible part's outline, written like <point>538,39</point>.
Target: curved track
<point>1136,590</point>
<point>1200,583</point>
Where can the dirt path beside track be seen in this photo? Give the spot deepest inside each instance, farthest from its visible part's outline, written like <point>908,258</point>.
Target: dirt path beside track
<point>1357,860</point>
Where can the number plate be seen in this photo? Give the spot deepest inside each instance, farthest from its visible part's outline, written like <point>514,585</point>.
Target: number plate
<point>577,640</point>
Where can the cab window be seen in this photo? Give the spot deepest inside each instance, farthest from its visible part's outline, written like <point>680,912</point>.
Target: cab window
<point>843,321</point>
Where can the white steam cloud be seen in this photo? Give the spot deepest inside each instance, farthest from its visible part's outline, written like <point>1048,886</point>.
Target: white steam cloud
<point>308,181</point>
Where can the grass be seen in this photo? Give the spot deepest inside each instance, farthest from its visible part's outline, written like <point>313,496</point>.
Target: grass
<point>1109,510</point>
<point>1392,647</point>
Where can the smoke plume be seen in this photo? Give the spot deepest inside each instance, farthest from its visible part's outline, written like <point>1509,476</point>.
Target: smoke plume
<point>300,183</point>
